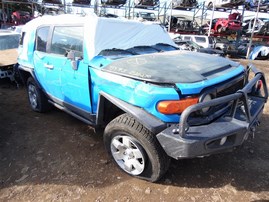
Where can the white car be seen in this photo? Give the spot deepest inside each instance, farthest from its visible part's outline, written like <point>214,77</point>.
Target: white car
<point>204,41</point>
<point>223,3</point>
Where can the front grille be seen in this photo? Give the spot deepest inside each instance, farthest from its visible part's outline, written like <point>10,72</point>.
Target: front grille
<point>232,88</point>
<point>198,118</point>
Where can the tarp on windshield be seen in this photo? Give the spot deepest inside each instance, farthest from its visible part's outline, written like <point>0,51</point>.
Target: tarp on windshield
<point>102,33</point>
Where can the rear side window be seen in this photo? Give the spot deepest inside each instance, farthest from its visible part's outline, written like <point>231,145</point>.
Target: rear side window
<point>42,38</point>
<point>67,38</point>
<point>187,38</point>
<point>200,39</point>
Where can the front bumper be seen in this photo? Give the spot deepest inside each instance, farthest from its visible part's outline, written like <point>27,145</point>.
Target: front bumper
<point>225,133</point>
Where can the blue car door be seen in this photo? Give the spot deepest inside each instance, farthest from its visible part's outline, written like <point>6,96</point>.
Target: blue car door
<point>74,82</point>
<point>47,73</point>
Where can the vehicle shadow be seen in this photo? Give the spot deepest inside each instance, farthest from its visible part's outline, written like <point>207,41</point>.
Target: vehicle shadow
<point>55,148</point>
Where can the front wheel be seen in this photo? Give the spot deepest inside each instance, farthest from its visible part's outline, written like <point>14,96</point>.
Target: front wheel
<point>36,97</point>
<point>135,149</point>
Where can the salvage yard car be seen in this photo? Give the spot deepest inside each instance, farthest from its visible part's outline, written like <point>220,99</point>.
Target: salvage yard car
<point>152,101</point>
<point>192,46</point>
<point>261,26</point>
<point>9,42</point>
<point>228,47</point>
<point>231,24</point>
<point>223,3</point>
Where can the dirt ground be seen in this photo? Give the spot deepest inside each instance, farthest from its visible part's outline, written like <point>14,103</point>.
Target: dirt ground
<point>55,157</point>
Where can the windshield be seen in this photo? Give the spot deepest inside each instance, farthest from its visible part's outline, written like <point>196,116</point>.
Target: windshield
<point>195,45</point>
<point>137,50</point>
<point>147,15</point>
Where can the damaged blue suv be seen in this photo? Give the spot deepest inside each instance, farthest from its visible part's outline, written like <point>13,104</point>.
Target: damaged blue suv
<point>153,101</point>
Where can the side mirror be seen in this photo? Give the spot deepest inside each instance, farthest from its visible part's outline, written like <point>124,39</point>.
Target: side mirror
<point>74,62</point>
<point>71,55</point>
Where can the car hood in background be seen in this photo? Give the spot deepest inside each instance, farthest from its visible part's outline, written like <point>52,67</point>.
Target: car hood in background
<point>210,51</point>
<point>172,67</point>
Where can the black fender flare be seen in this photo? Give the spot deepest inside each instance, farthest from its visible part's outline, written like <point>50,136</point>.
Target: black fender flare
<point>30,71</point>
<point>152,123</point>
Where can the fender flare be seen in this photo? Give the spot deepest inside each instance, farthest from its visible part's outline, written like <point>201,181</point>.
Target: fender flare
<point>31,72</point>
<point>152,123</point>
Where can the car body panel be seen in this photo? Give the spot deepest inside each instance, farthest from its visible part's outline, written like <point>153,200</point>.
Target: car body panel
<point>146,96</point>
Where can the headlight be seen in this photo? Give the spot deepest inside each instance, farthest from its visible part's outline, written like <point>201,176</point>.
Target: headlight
<point>205,98</point>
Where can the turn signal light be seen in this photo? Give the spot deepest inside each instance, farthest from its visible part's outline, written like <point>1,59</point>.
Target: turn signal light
<point>175,106</point>
<point>259,85</point>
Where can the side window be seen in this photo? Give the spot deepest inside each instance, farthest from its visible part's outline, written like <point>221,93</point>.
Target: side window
<point>68,38</point>
<point>200,39</point>
<point>42,38</point>
<point>187,38</point>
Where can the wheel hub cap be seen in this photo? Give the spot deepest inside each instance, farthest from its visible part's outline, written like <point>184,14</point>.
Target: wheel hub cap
<point>128,154</point>
<point>32,96</point>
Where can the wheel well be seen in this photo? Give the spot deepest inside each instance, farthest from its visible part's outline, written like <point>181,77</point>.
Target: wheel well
<point>109,112</point>
<point>110,107</point>
<point>24,75</point>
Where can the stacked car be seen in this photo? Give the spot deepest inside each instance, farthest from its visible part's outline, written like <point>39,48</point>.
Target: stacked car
<point>225,25</point>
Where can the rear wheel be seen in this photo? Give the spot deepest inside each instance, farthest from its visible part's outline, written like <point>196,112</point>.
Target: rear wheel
<point>135,149</point>
<point>36,97</point>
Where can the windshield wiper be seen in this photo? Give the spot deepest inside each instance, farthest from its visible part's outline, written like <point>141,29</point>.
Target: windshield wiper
<point>143,49</point>
<point>137,47</point>
<point>115,51</point>
<point>165,44</point>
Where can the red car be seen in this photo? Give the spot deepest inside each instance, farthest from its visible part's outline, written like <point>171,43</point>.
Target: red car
<point>225,25</point>
<point>20,17</point>
<point>231,24</point>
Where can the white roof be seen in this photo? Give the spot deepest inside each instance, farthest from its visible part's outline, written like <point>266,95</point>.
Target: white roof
<point>106,33</point>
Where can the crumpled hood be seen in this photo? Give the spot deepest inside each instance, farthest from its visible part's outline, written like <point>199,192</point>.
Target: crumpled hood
<point>172,67</point>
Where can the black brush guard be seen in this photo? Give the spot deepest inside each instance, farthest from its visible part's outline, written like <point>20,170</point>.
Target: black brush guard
<point>226,132</point>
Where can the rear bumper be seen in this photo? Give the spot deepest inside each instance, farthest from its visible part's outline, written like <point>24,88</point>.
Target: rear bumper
<point>225,133</point>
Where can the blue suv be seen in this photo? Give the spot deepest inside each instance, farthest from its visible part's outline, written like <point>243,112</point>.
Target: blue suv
<point>152,101</point>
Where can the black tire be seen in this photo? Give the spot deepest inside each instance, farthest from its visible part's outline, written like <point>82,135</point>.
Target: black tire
<point>150,164</point>
<point>37,99</point>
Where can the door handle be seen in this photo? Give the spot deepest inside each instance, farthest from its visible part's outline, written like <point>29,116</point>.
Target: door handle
<point>48,66</point>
